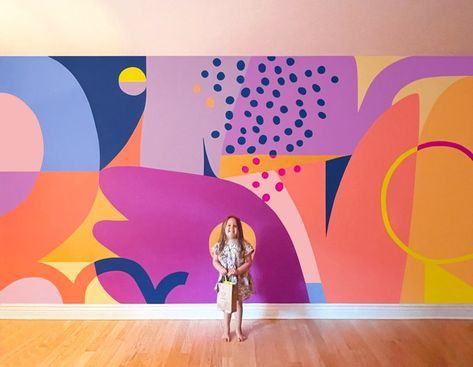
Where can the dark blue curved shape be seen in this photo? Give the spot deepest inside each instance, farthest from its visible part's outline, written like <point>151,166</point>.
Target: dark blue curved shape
<point>207,167</point>
<point>116,114</point>
<point>334,170</point>
<point>141,277</point>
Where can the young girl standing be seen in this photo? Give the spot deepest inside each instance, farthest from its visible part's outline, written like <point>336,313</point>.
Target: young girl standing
<point>232,257</point>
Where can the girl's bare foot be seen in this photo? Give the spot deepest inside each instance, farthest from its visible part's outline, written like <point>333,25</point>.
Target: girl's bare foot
<point>226,336</point>
<point>240,336</point>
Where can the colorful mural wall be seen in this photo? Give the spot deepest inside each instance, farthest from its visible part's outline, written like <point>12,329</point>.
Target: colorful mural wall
<point>353,177</point>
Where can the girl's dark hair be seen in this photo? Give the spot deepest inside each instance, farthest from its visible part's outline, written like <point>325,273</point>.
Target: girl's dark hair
<point>223,237</point>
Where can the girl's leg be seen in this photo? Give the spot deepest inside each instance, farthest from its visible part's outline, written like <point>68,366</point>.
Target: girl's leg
<point>239,318</point>
<point>226,326</point>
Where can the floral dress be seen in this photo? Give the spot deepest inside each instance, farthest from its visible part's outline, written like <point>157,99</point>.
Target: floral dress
<point>231,257</point>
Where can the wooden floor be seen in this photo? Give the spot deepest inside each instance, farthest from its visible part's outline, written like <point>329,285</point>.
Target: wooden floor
<point>270,343</point>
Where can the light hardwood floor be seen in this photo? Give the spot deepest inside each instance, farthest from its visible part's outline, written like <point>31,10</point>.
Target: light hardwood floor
<point>270,343</point>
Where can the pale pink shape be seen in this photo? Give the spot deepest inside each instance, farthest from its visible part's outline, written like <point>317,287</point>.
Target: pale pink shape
<point>266,197</point>
<point>256,160</point>
<point>279,186</point>
<point>282,172</point>
<point>21,140</point>
<point>255,184</point>
<point>264,175</point>
<point>30,290</point>
<point>297,168</point>
<point>245,169</point>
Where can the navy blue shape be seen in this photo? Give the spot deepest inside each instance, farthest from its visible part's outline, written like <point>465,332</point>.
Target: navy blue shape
<point>240,79</point>
<point>321,69</point>
<point>216,61</point>
<point>240,65</point>
<point>208,171</point>
<point>262,68</point>
<point>141,277</point>
<point>334,170</point>
<point>269,104</point>
<point>308,73</point>
<point>230,149</point>
<point>116,114</point>
<point>290,61</point>
<point>277,70</point>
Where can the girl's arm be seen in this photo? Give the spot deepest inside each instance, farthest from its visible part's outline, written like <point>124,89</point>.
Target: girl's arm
<point>246,266</point>
<point>217,265</point>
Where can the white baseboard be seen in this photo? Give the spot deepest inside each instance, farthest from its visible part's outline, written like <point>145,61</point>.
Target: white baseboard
<point>251,311</point>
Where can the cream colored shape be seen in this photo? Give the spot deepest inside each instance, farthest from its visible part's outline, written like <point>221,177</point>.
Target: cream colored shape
<point>82,245</point>
<point>87,25</point>
<point>96,294</point>
<point>442,286</point>
<point>283,205</point>
<point>429,90</point>
<point>70,269</point>
<point>368,68</point>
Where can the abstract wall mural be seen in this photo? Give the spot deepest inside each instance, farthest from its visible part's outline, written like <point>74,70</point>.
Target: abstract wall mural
<point>353,177</point>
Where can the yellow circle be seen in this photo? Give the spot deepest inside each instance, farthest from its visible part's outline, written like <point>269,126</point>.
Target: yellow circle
<point>132,74</point>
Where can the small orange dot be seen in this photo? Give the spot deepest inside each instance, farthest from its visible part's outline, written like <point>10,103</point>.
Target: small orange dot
<point>210,102</point>
<point>197,88</point>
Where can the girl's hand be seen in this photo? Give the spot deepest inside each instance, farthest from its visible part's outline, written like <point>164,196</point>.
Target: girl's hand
<point>224,272</point>
<point>232,272</point>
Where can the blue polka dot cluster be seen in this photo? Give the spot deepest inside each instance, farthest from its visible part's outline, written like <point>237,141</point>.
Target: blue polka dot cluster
<point>280,102</point>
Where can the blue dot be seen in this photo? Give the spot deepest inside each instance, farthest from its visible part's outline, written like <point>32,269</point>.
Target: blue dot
<point>256,129</point>
<point>289,147</point>
<point>259,120</point>
<point>215,134</point>
<point>301,90</point>
<point>269,104</point>
<point>229,115</point>
<point>321,102</point>
<point>240,79</point>
<point>322,115</point>
<point>276,138</point>
<point>308,73</point>
<point>265,81</point>
<point>230,100</point>
<point>288,131</point>
<point>241,140</point>
<point>217,87</point>
<point>276,93</point>
<point>220,76</point>
<point>334,79</point>
<point>271,58</point>
<point>228,126</point>
<point>300,143</point>
<point>243,130</point>
<point>308,133</point>
<point>276,120</point>
<point>273,153</point>
<point>260,90</point>
<point>216,62</point>
<point>321,69</point>
<point>303,113</point>
<point>254,103</point>
<point>316,87</point>
<point>262,139</point>
<point>245,92</point>
<point>251,149</point>
<point>277,70</point>
<point>281,81</point>
<point>293,77</point>
<point>299,102</point>
<point>290,61</point>
<point>298,123</point>
<point>204,74</point>
<point>230,149</point>
<point>262,68</point>
<point>240,65</point>
<point>247,113</point>
<point>284,109</point>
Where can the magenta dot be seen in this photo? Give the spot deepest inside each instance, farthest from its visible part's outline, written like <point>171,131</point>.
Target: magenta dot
<point>266,197</point>
<point>256,160</point>
<point>265,175</point>
<point>282,172</point>
<point>245,169</point>
<point>297,168</point>
<point>255,184</point>
<point>279,186</point>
